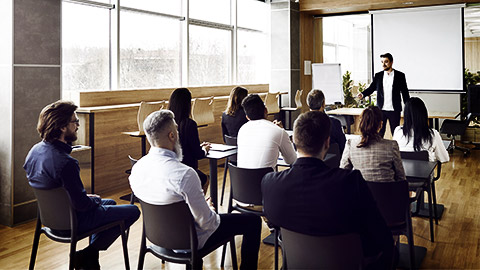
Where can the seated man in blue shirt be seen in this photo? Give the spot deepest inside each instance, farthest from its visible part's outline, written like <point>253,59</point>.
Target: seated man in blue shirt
<point>49,165</point>
<point>160,178</point>
<point>313,199</point>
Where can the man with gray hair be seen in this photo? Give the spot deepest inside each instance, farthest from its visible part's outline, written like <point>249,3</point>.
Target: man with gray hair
<point>160,178</point>
<point>316,102</point>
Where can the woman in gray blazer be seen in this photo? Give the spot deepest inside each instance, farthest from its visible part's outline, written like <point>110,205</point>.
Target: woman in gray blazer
<point>376,158</point>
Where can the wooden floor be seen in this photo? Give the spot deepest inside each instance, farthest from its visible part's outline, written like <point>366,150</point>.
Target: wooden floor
<point>457,235</point>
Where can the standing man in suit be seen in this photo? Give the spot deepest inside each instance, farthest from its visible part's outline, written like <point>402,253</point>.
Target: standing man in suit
<point>313,199</point>
<point>388,83</point>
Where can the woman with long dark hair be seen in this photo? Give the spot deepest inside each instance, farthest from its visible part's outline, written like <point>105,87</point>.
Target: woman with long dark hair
<point>234,116</point>
<point>180,103</point>
<point>416,135</point>
<point>376,158</point>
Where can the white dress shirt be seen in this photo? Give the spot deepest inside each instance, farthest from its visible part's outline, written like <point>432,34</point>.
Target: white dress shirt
<point>387,90</point>
<point>436,151</point>
<point>259,143</point>
<point>160,178</point>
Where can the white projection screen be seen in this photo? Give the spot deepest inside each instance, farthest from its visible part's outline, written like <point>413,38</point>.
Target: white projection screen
<point>426,44</point>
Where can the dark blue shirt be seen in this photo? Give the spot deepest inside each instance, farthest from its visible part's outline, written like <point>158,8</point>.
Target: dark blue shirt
<point>49,166</point>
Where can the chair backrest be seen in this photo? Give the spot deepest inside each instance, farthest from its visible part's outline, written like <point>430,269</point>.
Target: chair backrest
<point>298,99</point>
<point>145,109</point>
<point>334,162</point>
<point>246,184</point>
<point>132,160</point>
<point>229,140</point>
<point>202,111</point>
<point>271,102</point>
<point>417,155</point>
<point>322,252</point>
<point>392,200</point>
<point>54,206</point>
<point>169,226</point>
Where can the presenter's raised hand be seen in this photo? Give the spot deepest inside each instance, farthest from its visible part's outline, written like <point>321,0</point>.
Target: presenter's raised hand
<point>360,95</point>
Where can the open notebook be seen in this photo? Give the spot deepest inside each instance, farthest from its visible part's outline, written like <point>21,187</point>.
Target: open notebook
<point>221,147</point>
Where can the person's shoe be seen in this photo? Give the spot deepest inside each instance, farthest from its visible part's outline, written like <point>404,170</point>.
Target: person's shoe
<point>86,260</point>
<point>79,262</point>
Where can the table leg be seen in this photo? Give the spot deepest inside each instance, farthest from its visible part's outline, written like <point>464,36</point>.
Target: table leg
<point>213,183</point>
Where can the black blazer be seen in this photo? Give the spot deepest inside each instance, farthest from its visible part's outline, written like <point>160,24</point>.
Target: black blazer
<point>399,86</point>
<point>232,124</point>
<point>311,198</point>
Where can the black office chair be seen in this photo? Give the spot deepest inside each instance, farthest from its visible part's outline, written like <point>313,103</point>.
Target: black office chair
<point>322,252</point>
<point>229,140</point>
<point>393,201</point>
<point>56,213</point>
<point>172,227</point>
<point>422,186</point>
<point>245,187</point>
<point>333,157</point>
<point>456,128</point>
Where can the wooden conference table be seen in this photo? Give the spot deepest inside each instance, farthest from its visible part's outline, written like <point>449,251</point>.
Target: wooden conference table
<point>433,116</point>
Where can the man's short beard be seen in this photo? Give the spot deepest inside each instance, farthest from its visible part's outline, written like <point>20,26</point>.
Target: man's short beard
<point>177,148</point>
<point>70,137</point>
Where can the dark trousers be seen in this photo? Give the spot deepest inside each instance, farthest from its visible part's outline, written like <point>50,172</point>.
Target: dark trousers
<point>249,226</point>
<point>393,117</point>
<point>107,212</point>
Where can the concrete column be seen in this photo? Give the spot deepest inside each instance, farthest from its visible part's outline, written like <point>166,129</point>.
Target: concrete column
<point>30,65</point>
<point>285,49</point>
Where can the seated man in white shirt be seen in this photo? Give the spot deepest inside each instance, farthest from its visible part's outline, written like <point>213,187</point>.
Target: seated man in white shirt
<point>259,140</point>
<point>160,178</point>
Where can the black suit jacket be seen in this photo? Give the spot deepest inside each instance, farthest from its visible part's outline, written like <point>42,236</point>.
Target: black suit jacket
<point>311,198</point>
<point>399,86</point>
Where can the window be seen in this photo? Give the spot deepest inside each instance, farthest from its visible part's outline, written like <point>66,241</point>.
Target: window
<point>252,59</point>
<point>346,40</point>
<point>217,11</point>
<point>160,45</point>
<point>85,47</point>
<point>209,59</point>
<point>149,56</point>
<point>166,7</point>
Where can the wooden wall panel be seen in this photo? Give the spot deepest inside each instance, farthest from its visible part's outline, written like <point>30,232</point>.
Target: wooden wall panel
<point>472,54</point>
<point>115,97</point>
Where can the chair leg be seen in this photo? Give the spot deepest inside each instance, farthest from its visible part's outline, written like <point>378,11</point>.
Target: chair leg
<point>430,214</point>
<point>73,248</point>
<point>36,239</point>
<point>434,197</point>
<point>125,247</point>
<point>276,248</point>
<point>143,250</point>
<point>409,234</point>
<point>224,251</point>
<point>233,252</point>
<point>225,169</point>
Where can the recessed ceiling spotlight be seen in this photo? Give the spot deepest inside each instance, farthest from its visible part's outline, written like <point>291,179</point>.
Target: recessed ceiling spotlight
<point>408,3</point>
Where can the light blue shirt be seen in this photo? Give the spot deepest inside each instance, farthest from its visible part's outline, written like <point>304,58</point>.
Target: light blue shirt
<point>160,178</point>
